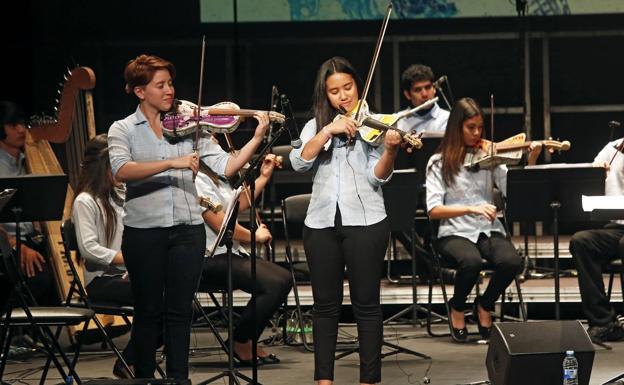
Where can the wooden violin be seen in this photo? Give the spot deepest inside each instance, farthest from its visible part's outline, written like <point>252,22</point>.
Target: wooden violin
<point>486,154</point>
<point>222,117</point>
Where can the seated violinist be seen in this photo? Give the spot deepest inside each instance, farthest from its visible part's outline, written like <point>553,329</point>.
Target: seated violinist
<point>417,85</point>
<point>273,282</point>
<point>592,249</point>
<point>469,229</point>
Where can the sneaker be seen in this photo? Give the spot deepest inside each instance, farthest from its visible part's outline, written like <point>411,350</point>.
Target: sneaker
<point>613,331</point>
<point>120,371</point>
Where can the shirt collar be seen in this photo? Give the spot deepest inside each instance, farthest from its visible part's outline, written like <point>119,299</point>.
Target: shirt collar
<point>9,159</point>
<point>138,116</point>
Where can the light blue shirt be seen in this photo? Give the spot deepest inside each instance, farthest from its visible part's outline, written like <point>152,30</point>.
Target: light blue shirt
<point>344,176</point>
<point>168,198</point>
<point>433,121</point>
<point>470,189</point>
<point>10,167</point>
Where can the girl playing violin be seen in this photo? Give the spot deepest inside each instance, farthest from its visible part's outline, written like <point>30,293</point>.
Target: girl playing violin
<point>164,238</point>
<point>469,230</point>
<point>346,221</point>
<point>273,282</point>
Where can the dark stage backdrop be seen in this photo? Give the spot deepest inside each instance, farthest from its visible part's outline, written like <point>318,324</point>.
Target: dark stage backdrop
<point>243,60</point>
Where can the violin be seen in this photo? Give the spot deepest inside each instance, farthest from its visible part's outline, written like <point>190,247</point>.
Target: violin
<point>222,117</point>
<point>372,127</point>
<point>486,154</point>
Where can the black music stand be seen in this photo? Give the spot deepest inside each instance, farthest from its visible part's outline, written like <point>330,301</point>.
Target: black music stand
<point>536,192</point>
<point>38,198</point>
<point>225,237</point>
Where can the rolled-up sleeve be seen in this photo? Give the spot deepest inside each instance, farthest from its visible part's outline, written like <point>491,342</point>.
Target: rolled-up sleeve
<point>84,214</point>
<point>374,154</point>
<point>298,163</point>
<point>434,184</point>
<point>213,155</point>
<point>119,149</point>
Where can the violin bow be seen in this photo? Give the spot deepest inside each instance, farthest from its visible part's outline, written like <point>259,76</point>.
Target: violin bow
<point>199,95</point>
<point>371,70</point>
<point>492,181</point>
<point>618,149</point>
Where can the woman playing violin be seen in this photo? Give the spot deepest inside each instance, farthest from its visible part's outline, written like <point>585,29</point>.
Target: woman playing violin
<point>164,238</point>
<point>346,221</point>
<point>469,230</point>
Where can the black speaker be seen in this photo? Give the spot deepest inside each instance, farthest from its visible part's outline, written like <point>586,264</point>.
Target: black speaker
<point>533,352</point>
<point>139,381</point>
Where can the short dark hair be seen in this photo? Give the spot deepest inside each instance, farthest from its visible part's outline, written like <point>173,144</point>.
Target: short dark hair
<point>10,113</point>
<point>416,73</point>
<point>140,70</point>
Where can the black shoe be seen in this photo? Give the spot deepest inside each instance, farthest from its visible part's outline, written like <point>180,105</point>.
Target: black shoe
<point>120,371</point>
<point>459,335</point>
<point>269,360</point>
<point>613,331</point>
<point>483,331</point>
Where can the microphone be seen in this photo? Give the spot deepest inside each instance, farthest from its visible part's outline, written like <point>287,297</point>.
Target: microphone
<point>291,124</point>
<point>440,81</point>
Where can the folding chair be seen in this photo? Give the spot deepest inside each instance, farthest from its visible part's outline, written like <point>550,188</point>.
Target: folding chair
<point>27,314</point>
<point>444,270</point>
<point>77,295</point>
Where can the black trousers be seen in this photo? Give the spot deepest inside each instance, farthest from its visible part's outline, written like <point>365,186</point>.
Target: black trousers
<point>362,250</point>
<point>591,250</point>
<point>164,265</point>
<point>273,283</point>
<point>467,257</point>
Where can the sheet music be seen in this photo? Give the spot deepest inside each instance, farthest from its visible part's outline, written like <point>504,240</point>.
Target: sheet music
<point>229,210</point>
<point>559,165</point>
<point>602,202</point>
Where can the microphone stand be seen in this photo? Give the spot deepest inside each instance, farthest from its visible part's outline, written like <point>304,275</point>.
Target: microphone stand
<point>249,177</point>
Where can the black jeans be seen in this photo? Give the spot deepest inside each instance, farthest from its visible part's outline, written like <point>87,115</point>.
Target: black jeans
<point>362,250</point>
<point>164,265</point>
<point>591,250</point>
<point>273,283</point>
<point>467,257</point>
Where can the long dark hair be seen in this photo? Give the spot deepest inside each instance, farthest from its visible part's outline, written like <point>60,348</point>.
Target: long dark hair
<point>95,179</point>
<point>323,111</point>
<point>452,147</point>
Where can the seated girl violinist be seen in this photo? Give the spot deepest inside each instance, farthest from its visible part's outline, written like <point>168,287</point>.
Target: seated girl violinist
<point>461,199</point>
<point>273,282</point>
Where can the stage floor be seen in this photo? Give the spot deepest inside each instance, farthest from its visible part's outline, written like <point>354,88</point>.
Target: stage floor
<point>451,363</point>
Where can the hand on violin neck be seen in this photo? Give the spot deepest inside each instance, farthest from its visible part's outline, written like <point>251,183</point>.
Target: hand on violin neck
<point>485,209</point>
<point>535,149</point>
<point>392,141</point>
<point>263,123</point>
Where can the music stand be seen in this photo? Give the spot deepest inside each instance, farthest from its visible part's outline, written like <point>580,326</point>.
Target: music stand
<point>225,237</point>
<point>38,198</point>
<point>554,188</point>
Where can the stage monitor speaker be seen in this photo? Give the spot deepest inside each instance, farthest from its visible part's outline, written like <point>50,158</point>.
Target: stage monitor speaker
<point>533,352</point>
<point>139,381</point>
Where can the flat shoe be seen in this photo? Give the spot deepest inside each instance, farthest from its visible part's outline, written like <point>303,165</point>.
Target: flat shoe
<point>270,359</point>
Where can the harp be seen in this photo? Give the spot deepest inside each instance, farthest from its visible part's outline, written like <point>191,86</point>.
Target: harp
<point>70,129</point>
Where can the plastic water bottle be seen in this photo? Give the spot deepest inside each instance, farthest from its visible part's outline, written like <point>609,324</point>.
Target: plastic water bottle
<point>570,369</point>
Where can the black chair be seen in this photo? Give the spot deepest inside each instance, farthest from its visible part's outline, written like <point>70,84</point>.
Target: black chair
<point>294,210</point>
<point>444,272</point>
<point>77,295</point>
<point>21,310</point>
